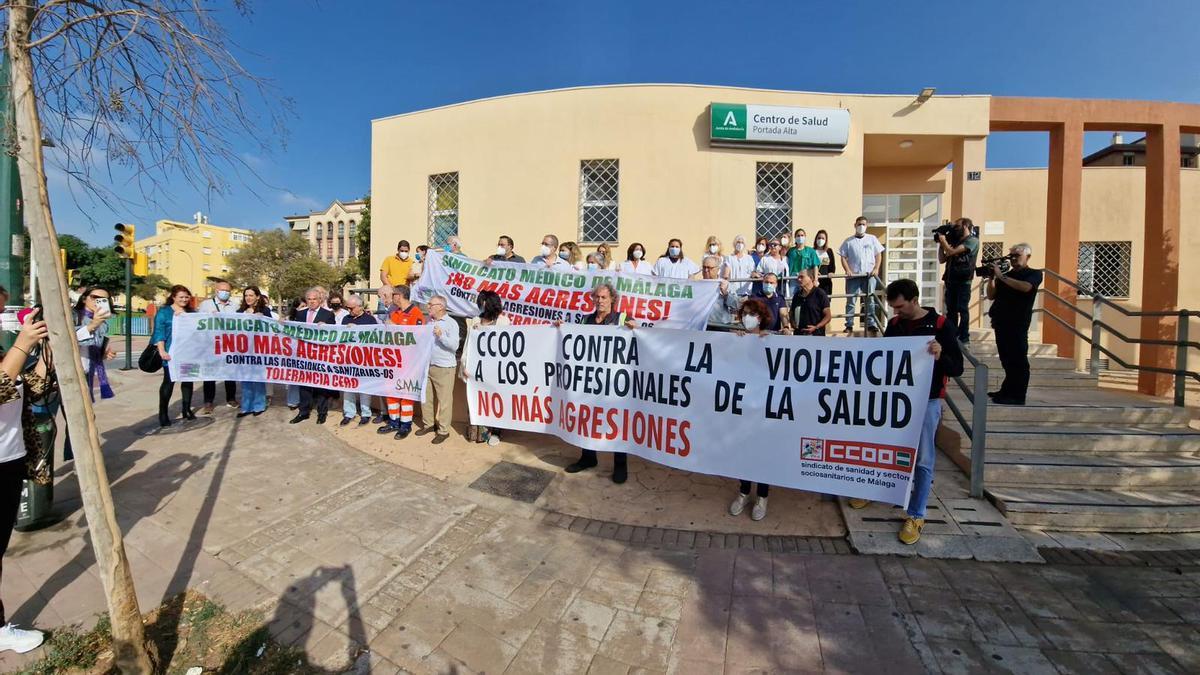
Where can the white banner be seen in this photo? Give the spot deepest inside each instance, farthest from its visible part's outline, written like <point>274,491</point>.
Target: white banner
<point>840,416</point>
<point>534,294</point>
<point>382,360</point>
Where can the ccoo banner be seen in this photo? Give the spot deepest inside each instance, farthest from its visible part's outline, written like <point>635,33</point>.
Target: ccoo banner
<point>834,416</point>
<point>535,294</point>
<point>382,360</point>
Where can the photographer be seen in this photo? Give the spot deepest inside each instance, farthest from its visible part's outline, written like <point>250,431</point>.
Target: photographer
<point>1012,294</point>
<point>957,250</point>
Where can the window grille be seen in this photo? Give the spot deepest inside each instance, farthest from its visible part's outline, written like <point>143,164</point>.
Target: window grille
<point>341,240</point>
<point>329,242</point>
<point>351,244</point>
<point>443,208</point>
<point>599,186</point>
<point>1104,268</point>
<point>991,249</point>
<point>773,207</point>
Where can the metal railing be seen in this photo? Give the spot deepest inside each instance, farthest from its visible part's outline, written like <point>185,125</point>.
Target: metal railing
<point>976,429</point>
<point>1181,343</point>
<point>880,303</point>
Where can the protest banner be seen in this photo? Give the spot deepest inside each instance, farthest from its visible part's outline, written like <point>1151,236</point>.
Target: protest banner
<point>839,416</point>
<point>382,360</point>
<point>535,294</point>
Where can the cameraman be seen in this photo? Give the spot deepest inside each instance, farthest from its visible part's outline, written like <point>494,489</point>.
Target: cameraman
<point>957,251</point>
<point>1012,294</point>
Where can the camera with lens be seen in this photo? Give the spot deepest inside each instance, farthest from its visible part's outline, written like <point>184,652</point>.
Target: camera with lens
<point>985,271</point>
<point>945,229</point>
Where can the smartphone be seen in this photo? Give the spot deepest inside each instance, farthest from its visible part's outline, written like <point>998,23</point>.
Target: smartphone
<point>102,304</point>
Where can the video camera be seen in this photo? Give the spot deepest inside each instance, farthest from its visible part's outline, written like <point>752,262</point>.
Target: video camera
<point>945,229</point>
<point>984,270</point>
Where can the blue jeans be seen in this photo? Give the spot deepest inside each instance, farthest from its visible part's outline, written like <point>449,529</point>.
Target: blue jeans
<point>356,404</point>
<point>926,455</point>
<point>855,286</point>
<point>293,396</point>
<point>254,397</point>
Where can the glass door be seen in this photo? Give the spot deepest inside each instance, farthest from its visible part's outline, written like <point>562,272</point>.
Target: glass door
<point>904,224</point>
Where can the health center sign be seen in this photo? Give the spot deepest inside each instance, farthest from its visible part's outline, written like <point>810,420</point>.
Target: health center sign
<point>734,124</point>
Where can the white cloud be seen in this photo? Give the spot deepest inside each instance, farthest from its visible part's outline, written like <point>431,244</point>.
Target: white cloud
<point>298,202</point>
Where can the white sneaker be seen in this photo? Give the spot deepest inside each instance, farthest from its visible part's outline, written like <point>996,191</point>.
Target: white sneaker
<point>494,439</point>
<point>19,640</point>
<point>760,509</point>
<point>738,504</point>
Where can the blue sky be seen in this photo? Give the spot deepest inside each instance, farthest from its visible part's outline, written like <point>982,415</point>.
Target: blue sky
<point>346,62</point>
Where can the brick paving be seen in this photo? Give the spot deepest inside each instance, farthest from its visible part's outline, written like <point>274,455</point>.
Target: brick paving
<point>378,568</point>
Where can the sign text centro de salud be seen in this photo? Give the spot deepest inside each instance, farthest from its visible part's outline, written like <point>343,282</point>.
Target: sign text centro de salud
<point>811,128</point>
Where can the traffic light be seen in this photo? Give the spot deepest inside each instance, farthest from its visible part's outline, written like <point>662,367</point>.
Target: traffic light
<point>141,265</point>
<point>124,241</point>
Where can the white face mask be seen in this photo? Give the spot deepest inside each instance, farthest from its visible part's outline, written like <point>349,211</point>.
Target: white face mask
<point>674,251</point>
<point>545,251</point>
<point>403,255</point>
<point>860,230</point>
<point>637,254</point>
<point>820,241</point>
<point>799,241</point>
<point>712,248</point>
<point>750,321</point>
<point>783,241</point>
<point>739,247</point>
<point>500,250</point>
<point>762,248</point>
<point>592,266</point>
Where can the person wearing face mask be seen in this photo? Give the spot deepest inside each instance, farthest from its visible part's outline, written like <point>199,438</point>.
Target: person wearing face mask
<point>453,245</point>
<point>548,255</point>
<point>713,247</point>
<point>773,299</point>
<point>604,258</point>
<point>752,317</point>
<point>635,260</point>
<point>219,303</point>
<point>860,261</point>
<point>774,261</point>
<point>826,257</point>
<point>672,264</point>
<point>418,263</point>
<point>801,257</point>
<point>397,269</point>
<point>593,262</point>
<point>740,265</point>
<point>337,306</point>
<point>504,251</point>
<point>727,302</point>
<point>571,253</point>
<point>760,249</point>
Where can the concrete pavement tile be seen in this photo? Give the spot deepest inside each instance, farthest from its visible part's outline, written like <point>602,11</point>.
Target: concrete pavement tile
<point>588,618</point>
<point>1022,627</point>
<point>611,592</point>
<point>1044,603</point>
<point>1095,636</point>
<point>714,571</point>
<point>1148,664</point>
<point>752,574</point>
<point>1017,660</point>
<point>1080,663</point>
<point>551,648</point>
<point>660,605</point>
<point>685,666</point>
<point>1182,643</point>
<point>337,651</point>
<point>991,625</point>
<point>971,582</point>
<point>703,624</point>
<point>553,604</point>
<point>959,657</point>
<point>926,573</point>
<point>1187,608</point>
<point>790,577</point>
<point>532,588</point>
<point>669,583</point>
<point>478,649</point>
<point>891,639</point>
<point>772,633</point>
<point>603,665</point>
<point>845,643</point>
<point>643,641</point>
<point>405,645</point>
<point>855,579</point>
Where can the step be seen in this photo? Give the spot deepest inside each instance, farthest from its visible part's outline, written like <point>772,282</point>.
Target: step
<point>1090,439</point>
<point>989,349</point>
<point>1091,510</point>
<point>1036,363</point>
<point>1064,409</point>
<point>1043,378</point>
<point>1113,470</point>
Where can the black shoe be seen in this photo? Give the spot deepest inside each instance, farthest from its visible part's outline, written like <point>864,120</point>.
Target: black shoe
<point>581,465</point>
<point>257,413</point>
<point>380,418</point>
<point>362,422</point>
<point>439,439</point>
<point>1007,400</point>
<point>994,394</point>
<point>298,419</point>
<point>402,432</point>
<point>189,414</point>
<point>293,407</point>
<point>389,428</point>
<point>426,431</point>
<point>320,419</point>
<point>164,421</point>
<point>243,414</point>
<point>345,421</point>
<point>619,474</point>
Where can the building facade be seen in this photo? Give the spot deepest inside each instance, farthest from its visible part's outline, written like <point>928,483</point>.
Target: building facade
<point>332,232</point>
<point>645,163</point>
<point>193,254</point>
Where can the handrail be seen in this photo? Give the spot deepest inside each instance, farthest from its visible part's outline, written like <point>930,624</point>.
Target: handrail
<point>1118,359</point>
<point>1101,299</point>
<point>977,429</point>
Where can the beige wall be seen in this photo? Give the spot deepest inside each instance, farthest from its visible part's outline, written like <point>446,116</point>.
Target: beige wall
<point>518,163</point>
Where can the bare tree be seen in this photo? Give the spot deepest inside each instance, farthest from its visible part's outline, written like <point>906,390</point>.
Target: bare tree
<point>135,91</point>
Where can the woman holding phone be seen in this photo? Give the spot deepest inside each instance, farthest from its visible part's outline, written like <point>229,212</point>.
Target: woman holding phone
<point>91,314</point>
<point>179,301</point>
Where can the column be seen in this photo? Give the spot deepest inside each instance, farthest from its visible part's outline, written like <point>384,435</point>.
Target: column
<point>1063,196</point>
<point>1160,266</point>
<point>967,196</point>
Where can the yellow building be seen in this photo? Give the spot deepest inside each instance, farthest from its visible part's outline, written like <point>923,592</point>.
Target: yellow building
<point>192,254</point>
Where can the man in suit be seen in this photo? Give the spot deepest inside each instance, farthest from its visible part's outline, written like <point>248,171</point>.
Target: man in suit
<point>313,313</point>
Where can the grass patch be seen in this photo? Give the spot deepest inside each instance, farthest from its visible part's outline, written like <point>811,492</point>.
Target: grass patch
<point>188,630</point>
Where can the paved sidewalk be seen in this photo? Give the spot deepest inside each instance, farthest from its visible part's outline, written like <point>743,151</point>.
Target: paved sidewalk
<point>342,550</point>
